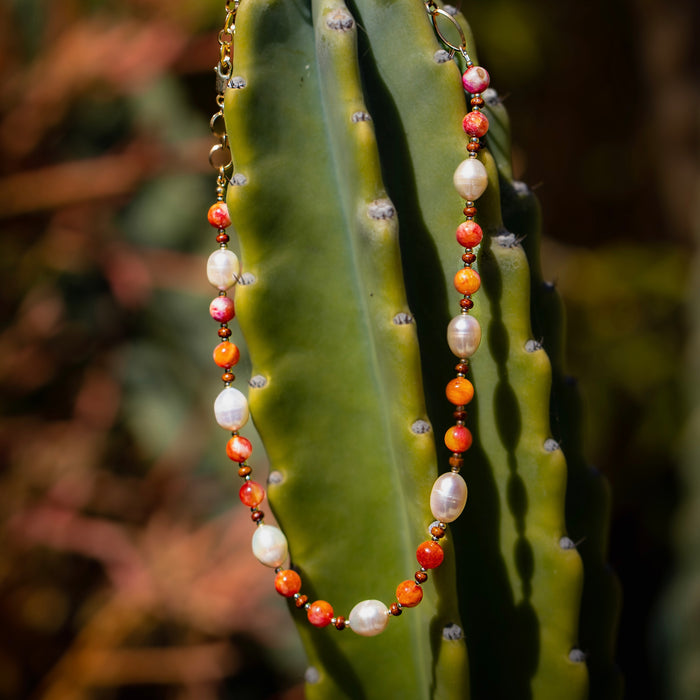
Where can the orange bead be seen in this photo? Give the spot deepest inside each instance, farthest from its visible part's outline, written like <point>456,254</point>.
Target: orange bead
<point>288,583</point>
<point>458,439</point>
<point>239,448</point>
<point>320,613</point>
<point>467,281</point>
<point>226,354</point>
<point>251,494</point>
<point>469,234</point>
<point>459,391</point>
<point>218,215</point>
<point>409,594</point>
<point>429,554</point>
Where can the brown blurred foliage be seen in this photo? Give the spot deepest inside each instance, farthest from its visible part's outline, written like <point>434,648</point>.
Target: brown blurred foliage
<point>125,567</point>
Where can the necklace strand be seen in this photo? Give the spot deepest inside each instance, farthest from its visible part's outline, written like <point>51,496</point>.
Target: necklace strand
<point>449,492</point>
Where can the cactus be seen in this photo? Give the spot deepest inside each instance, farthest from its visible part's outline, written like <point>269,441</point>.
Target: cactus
<point>345,214</point>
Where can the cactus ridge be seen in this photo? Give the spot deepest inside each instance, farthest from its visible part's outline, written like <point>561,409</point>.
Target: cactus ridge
<point>588,498</point>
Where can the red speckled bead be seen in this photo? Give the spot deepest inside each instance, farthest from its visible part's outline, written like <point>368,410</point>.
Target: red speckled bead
<point>467,281</point>
<point>475,124</point>
<point>226,354</point>
<point>430,554</point>
<point>320,613</point>
<point>475,79</point>
<point>409,594</point>
<point>239,448</point>
<point>469,234</point>
<point>251,494</point>
<point>222,309</point>
<point>218,215</point>
<point>288,583</point>
<point>458,439</point>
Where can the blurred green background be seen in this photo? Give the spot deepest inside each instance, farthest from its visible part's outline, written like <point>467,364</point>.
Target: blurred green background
<point>124,561</point>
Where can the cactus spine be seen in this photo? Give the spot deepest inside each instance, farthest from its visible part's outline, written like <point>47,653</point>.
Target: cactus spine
<point>344,316</point>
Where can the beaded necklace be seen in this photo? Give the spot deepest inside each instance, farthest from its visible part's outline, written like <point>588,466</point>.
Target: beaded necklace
<point>449,492</point>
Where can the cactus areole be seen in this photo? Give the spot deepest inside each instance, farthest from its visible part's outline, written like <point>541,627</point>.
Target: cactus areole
<point>358,216</point>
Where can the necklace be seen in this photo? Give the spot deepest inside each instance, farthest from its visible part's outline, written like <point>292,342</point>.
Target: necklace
<point>449,492</point>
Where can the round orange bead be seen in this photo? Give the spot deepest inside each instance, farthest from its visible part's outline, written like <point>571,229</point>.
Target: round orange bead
<point>409,594</point>
<point>430,554</point>
<point>467,281</point>
<point>239,448</point>
<point>288,583</point>
<point>320,613</point>
<point>218,215</point>
<point>251,494</point>
<point>459,391</point>
<point>469,234</point>
<point>226,354</point>
<point>458,439</point>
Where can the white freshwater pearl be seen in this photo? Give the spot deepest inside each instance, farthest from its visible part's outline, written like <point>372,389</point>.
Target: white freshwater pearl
<point>448,497</point>
<point>270,545</point>
<point>463,335</point>
<point>223,268</point>
<point>231,409</point>
<point>369,618</point>
<point>470,179</point>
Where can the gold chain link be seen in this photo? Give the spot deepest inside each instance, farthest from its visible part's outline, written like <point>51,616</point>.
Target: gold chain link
<point>220,155</point>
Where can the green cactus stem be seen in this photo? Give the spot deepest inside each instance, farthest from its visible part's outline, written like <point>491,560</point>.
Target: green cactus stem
<point>345,213</point>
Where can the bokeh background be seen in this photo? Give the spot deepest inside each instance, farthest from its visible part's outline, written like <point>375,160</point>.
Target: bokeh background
<point>122,570</point>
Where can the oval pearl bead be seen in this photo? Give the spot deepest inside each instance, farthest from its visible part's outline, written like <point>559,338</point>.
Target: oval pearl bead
<point>448,497</point>
<point>269,545</point>
<point>369,618</point>
<point>470,179</point>
<point>231,409</point>
<point>463,335</point>
<point>223,268</point>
